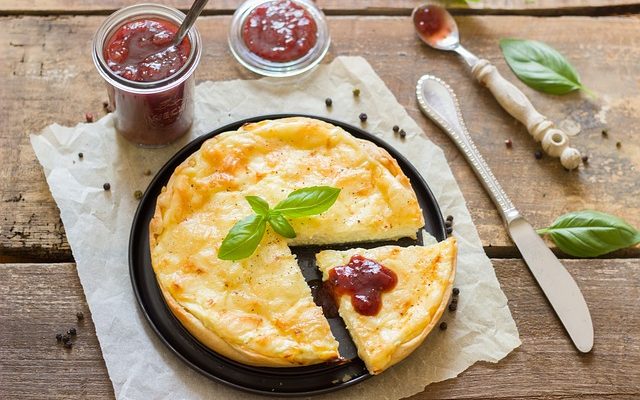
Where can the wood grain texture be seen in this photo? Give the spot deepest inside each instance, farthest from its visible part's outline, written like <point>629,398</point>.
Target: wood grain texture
<point>49,81</point>
<point>38,300</point>
<point>332,7</point>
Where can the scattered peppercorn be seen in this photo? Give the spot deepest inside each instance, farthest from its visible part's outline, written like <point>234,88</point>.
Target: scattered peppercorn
<point>68,345</point>
<point>508,143</point>
<point>449,230</point>
<point>80,315</point>
<point>449,217</point>
<point>454,300</point>
<point>403,134</point>
<point>59,337</point>
<point>80,156</point>
<point>448,224</point>
<point>455,291</point>
<point>137,194</point>
<point>363,117</point>
<point>72,331</point>
<point>605,133</point>
<point>443,326</point>
<point>618,144</point>
<point>66,338</point>
<point>453,307</point>
<point>106,186</point>
<point>88,117</point>
<point>356,92</point>
<point>147,172</point>
<point>585,159</point>
<point>328,101</point>
<point>538,154</point>
<point>395,128</point>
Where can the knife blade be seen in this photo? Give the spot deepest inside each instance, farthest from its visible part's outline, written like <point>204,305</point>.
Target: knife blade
<point>438,102</point>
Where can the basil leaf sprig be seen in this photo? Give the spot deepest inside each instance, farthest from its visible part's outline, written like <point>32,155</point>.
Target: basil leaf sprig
<point>540,66</point>
<point>591,233</point>
<point>245,236</point>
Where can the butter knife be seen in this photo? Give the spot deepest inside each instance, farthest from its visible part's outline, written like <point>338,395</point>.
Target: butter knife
<point>438,101</point>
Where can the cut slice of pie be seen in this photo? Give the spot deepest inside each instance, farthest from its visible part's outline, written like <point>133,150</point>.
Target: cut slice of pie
<point>410,307</point>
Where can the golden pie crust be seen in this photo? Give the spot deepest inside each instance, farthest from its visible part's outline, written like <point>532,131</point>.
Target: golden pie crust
<point>259,310</point>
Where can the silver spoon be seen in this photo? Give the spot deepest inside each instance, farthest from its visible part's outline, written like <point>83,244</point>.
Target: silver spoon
<point>437,28</point>
<point>189,20</point>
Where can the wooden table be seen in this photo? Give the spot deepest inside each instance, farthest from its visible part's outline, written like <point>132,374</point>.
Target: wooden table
<point>48,77</point>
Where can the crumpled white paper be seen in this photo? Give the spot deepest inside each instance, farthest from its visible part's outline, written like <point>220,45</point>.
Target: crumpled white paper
<point>97,224</point>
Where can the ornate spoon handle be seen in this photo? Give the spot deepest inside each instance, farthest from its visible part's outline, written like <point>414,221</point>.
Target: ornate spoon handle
<point>554,141</point>
<point>439,103</point>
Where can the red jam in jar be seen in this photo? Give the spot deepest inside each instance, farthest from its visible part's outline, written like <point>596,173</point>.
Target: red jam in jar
<point>280,31</point>
<point>364,280</point>
<point>150,81</point>
<point>142,50</point>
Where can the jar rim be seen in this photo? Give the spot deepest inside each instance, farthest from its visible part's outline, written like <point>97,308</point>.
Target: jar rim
<point>265,67</point>
<point>137,11</point>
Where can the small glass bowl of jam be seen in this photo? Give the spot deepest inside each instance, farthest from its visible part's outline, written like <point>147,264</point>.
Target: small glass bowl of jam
<point>149,79</point>
<point>279,37</point>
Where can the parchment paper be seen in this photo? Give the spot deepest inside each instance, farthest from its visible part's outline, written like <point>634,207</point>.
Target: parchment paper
<point>97,224</point>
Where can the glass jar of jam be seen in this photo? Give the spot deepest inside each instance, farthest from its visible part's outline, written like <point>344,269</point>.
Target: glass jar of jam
<point>150,80</point>
<point>279,37</point>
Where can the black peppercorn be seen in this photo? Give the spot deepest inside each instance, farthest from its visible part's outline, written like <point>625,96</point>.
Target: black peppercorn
<point>403,134</point>
<point>453,306</point>
<point>72,331</point>
<point>106,186</point>
<point>356,92</point>
<point>363,117</point>
<point>80,156</point>
<point>605,133</point>
<point>508,143</point>
<point>328,101</point>
<point>455,291</point>
<point>147,172</point>
<point>443,326</point>
<point>449,218</point>
<point>137,194</point>
<point>449,230</point>
<point>618,144</point>
<point>538,154</point>
<point>395,128</point>
<point>59,337</point>
<point>68,345</point>
<point>66,338</point>
<point>585,159</point>
<point>80,315</point>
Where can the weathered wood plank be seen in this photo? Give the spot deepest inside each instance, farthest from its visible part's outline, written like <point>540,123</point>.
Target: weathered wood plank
<point>369,7</point>
<point>49,81</point>
<point>37,300</point>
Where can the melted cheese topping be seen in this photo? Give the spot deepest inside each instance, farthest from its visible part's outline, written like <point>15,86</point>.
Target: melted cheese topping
<point>259,310</point>
<point>409,311</point>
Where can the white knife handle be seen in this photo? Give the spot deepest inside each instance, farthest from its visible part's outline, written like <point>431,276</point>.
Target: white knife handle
<point>440,103</point>
<point>554,141</point>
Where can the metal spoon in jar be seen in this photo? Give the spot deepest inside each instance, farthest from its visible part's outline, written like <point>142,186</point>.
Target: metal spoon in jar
<point>437,28</point>
<point>189,20</point>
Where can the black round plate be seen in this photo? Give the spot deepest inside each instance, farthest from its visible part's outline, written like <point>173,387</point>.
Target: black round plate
<point>295,381</point>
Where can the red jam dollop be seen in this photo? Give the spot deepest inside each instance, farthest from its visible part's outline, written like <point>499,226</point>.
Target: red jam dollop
<point>364,280</point>
<point>141,50</point>
<point>279,31</point>
<point>431,22</point>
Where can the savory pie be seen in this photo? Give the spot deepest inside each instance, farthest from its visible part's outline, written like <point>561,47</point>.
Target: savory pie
<point>259,310</point>
<point>409,311</point>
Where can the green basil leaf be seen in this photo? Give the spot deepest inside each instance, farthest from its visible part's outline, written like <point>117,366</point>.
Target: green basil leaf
<point>258,205</point>
<point>591,233</point>
<point>243,239</point>
<point>308,201</point>
<point>282,227</point>
<point>540,66</point>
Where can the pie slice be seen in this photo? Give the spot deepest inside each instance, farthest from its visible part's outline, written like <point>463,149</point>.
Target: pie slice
<point>409,309</point>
